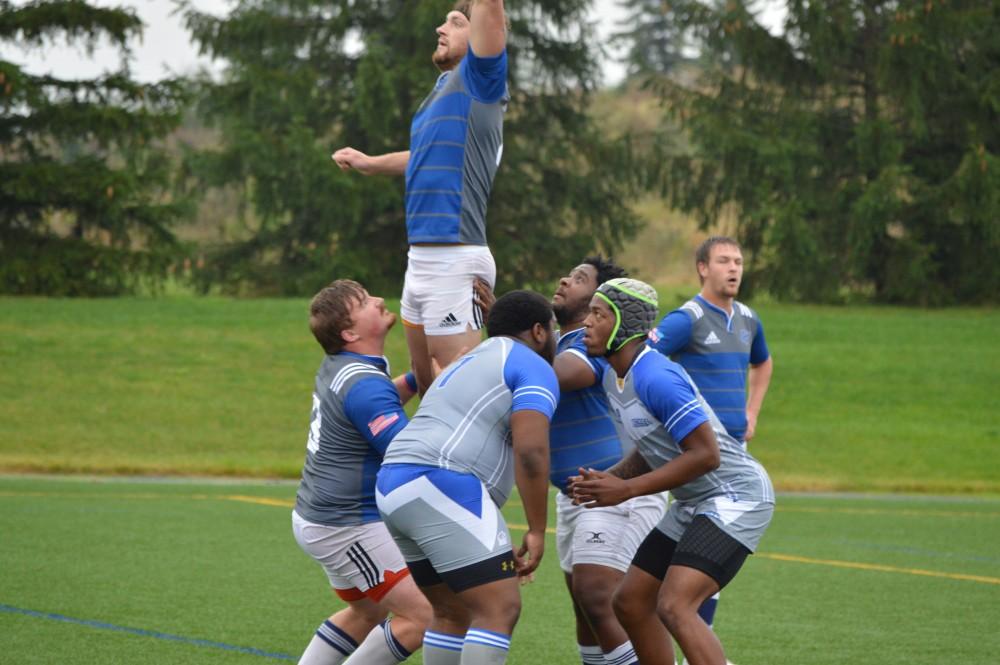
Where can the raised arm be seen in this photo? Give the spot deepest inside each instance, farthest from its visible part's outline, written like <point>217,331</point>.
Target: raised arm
<point>392,163</point>
<point>573,372</point>
<point>488,31</point>
<point>530,435</point>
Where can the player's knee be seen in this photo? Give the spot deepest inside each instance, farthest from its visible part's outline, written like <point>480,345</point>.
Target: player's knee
<point>369,613</point>
<point>672,612</point>
<point>419,611</point>
<point>593,599</point>
<point>503,611</point>
<point>626,608</point>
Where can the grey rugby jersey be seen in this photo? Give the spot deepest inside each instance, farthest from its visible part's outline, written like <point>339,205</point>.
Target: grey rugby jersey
<point>656,405</point>
<point>463,423</point>
<point>356,412</point>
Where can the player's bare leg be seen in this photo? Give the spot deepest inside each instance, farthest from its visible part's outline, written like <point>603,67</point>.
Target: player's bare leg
<point>444,349</point>
<point>411,615</point>
<point>420,357</point>
<point>446,632</point>
<point>584,634</point>
<point>635,603</point>
<point>593,588</point>
<point>684,590</point>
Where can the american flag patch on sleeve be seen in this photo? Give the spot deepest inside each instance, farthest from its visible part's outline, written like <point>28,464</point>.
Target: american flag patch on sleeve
<point>654,335</point>
<point>382,422</point>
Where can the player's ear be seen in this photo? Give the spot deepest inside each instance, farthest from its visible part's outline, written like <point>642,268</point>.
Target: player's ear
<point>349,336</point>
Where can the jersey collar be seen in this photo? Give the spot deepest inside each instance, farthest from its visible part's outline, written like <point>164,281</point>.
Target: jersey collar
<point>379,361</point>
<point>725,315</point>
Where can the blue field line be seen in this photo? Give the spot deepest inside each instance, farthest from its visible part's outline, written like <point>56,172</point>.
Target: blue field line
<point>146,633</point>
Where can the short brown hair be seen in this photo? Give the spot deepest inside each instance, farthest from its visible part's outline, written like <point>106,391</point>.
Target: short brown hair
<point>330,313</point>
<point>464,6</point>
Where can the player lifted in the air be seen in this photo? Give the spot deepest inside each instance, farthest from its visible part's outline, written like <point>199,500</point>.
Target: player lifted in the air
<point>482,426</point>
<point>456,141</point>
<point>723,498</point>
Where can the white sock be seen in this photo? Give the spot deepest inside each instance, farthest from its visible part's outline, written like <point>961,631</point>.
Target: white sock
<point>329,646</point>
<point>442,649</point>
<point>623,654</point>
<point>379,648</point>
<point>484,647</point>
<point>591,655</point>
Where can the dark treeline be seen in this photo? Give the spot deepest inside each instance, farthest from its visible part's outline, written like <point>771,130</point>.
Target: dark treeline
<point>854,152</point>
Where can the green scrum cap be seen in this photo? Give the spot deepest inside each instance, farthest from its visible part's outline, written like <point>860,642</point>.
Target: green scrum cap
<point>635,306</point>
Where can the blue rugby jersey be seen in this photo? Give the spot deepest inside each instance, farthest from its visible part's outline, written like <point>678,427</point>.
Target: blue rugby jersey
<point>356,412</point>
<point>456,140</point>
<point>582,434</point>
<point>715,349</point>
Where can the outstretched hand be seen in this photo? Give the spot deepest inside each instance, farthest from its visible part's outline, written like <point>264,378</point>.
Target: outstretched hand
<point>349,158</point>
<point>596,489</point>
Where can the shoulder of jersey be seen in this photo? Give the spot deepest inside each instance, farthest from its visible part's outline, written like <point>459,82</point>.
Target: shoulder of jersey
<point>351,370</point>
<point>694,309</point>
<point>744,310</point>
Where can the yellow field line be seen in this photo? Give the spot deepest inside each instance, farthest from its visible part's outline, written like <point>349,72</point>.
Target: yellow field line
<point>879,568</point>
<point>264,501</point>
<point>284,503</point>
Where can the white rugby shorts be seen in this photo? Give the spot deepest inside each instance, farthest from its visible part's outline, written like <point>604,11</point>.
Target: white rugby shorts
<point>438,292</point>
<point>606,536</point>
<point>360,561</point>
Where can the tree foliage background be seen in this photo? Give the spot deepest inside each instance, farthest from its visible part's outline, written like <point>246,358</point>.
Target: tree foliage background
<point>85,200</point>
<point>305,77</point>
<point>857,150</point>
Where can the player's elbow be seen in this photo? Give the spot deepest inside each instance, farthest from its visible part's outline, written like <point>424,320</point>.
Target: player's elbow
<point>711,458</point>
<point>534,461</point>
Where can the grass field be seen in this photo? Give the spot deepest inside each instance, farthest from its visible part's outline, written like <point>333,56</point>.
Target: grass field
<point>863,398</point>
<point>106,571</point>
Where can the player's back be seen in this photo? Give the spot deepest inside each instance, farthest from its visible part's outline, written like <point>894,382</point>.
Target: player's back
<point>463,423</point>
<point>338,478</point>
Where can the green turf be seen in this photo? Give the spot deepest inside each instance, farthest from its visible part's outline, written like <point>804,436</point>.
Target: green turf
<point>202,562</point>
<point>863,398</point>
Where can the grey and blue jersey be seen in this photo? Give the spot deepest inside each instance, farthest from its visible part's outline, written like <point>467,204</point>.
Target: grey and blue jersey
<point>715,348</point>
<point>656,405</point>
<point>456,140</point>
<point>582,434</point>
<point>463,423</point>
<point>356,412</point>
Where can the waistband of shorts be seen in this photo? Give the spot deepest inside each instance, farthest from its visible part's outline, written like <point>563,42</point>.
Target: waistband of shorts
<point>446,251</point>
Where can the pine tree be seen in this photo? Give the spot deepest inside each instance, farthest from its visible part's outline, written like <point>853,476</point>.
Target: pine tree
<point>857,149</point>
<point>84,201</point>
<point>304,77</point>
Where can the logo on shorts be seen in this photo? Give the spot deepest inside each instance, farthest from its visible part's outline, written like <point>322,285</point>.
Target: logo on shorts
<point>595,537</point>
<point>641,422</point>
<point>449,321</point>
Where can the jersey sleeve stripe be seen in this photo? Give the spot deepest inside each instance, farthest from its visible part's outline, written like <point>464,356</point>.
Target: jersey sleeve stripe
<point>536,390</point>
<point>681,412</point>
<point>350,371</point>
